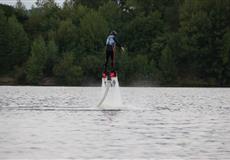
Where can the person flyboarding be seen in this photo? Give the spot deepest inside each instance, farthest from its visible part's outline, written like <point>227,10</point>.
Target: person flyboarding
<point>110,81</point>
<point>111,43</point>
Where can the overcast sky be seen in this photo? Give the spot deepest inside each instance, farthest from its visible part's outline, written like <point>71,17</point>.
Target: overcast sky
<point>27,3</point>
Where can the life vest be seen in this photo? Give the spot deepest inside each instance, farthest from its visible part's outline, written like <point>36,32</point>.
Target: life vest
<point>110,40</point>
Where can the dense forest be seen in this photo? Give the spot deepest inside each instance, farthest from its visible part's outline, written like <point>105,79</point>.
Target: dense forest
<point>167,42</point>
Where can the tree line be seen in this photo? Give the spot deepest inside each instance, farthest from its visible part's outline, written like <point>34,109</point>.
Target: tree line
<point>167,42</point>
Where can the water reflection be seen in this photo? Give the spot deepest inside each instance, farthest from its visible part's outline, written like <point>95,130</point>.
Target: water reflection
<point>110,115</point>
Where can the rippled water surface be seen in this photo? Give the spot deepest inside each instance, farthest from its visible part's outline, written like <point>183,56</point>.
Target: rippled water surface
<point>159,123</point>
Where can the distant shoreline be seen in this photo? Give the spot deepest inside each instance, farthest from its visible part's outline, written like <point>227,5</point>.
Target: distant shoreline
<point>50,82</point>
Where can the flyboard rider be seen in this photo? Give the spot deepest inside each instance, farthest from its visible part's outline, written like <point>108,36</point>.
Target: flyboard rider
<point>111,43</point>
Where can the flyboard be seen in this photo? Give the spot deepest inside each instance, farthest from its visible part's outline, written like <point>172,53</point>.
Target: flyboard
<point>110,92</point>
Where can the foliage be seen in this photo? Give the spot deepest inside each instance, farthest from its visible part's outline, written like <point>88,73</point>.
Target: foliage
<point>51,58</point>
<point>14,43</point>
<point>93,29</point>
<point>37,61</point>
<point>170,42</point>
<point>67,72</point>
<point>66,36</point>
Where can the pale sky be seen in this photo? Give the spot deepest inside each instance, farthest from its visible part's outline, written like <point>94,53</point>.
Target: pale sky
<point>27,3</point>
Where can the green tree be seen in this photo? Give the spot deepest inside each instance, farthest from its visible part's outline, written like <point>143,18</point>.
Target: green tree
<point>167,66</point>
<point>18,43</point>
<point>68,10</point>
<point>37,61</point>
<point>51,57</point>
<point>67,36</point>
<point>225,75</point>
<point>93,30</point>
<point>91,4</point>
<point>78,13</point>
<point>8,10</point>
<point>203,27</point>
<point>90,65</point>
<point>43,19</point>
<point>153,71</point>
<point>124,66</point>
<point>3,42</point>
<point>171,41</point>
<point>13,42</point>
<point>113,15</point>
<point>21,12</point>
<point>46,3</point>
<point>141,32</point>
<point>140,67</point>
<point>67,72</point>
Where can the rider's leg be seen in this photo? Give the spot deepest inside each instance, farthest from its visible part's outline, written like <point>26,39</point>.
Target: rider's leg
<point>106,61</point>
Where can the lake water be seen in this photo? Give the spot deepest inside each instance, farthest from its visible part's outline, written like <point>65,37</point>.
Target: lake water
<point>158,123</point>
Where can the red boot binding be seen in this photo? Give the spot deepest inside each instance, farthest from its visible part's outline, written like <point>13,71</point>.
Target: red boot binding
<point>104,75</point>
<point>113,74</point>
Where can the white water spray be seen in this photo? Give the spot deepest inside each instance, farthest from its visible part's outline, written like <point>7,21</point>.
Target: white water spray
<point>110,94</point>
